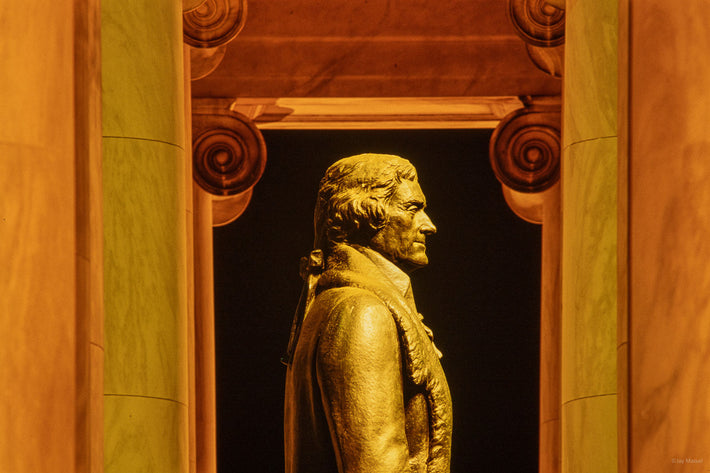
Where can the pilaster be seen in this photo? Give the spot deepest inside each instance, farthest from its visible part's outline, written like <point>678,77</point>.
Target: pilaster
<point>51,299</point>
<point>664,78</point>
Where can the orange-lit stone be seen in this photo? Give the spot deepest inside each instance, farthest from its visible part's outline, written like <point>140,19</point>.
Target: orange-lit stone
<point>669,236</point>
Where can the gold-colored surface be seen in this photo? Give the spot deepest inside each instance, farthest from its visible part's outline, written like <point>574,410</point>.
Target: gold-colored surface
<point>589,241</point>
<point>146,388</point>
<point>365,391</point>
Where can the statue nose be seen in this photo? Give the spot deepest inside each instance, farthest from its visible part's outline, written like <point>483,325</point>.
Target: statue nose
<point>428,227</point>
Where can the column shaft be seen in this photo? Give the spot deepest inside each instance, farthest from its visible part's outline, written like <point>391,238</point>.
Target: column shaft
<point>205,375</point>
<point>550,309</point>
<point>146,324</point>
<point>589,179</point>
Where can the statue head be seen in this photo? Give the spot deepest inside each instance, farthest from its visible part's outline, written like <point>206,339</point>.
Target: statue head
<point>374,200</point>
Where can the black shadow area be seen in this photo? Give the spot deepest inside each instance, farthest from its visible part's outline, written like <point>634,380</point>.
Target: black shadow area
<point>479,294</point>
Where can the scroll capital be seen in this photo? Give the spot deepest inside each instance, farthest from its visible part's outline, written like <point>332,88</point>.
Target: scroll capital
<point>525,154</point>
<point>214,23</point>
<point>208,26</point>
<point>189,5</point>
<point>229,157</point>
<point>541,24</point>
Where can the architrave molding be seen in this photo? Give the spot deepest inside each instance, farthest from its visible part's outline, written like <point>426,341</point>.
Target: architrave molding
<point>371,113</point>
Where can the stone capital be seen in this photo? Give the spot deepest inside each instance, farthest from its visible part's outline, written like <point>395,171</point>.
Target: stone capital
<point>229,156</point>
<point>541,24</point>
<point>525,155</point>
<point>208,26</point>
<point>214,23</point>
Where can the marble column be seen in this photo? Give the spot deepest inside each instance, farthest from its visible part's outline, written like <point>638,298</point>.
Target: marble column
<point>208,28</point>
<point>525,157</point>
<point>589,239</point>
<point>229,156</point>
<point>146,332</point>
<point>541,25</point>
<point>664,82</point>
<point>50,237</point>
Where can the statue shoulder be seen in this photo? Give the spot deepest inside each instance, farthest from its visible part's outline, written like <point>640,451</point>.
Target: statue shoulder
<point>358,320</point>
<point>348,298</point>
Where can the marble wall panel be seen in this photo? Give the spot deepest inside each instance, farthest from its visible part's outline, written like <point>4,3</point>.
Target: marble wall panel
<point>37,308</point>
<point>669,237</point>
<point>35,51</point>
<point>144,225</point>
<point>38,277</point>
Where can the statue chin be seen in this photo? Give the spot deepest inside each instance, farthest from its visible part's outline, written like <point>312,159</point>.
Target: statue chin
<point>412,264</point>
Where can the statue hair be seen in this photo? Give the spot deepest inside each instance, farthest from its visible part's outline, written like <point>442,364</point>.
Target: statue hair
<point>353,195</point>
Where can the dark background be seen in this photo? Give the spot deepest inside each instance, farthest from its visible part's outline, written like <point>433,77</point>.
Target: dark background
<point>479,294</point>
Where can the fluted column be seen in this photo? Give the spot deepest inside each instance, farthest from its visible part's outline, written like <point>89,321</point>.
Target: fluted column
<point>146,333</point>
<point>589,239</point>
<point>525,156</point>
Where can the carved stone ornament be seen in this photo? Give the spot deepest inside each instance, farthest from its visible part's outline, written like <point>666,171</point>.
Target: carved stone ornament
<point>214,23</point>
<point>229,153</point>
<point>549,60</point>
<point>189,5</point>
<point>203,61</point>
<point>537,22</point>
<point>525,149</point>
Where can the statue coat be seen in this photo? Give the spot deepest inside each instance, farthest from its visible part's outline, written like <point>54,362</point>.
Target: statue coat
<point>365,391</point>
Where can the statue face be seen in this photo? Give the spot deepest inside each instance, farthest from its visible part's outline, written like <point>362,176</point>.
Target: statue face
<point>403,238</point>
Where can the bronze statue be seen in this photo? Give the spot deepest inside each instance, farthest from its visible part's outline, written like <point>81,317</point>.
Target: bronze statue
<point>365,391</point>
